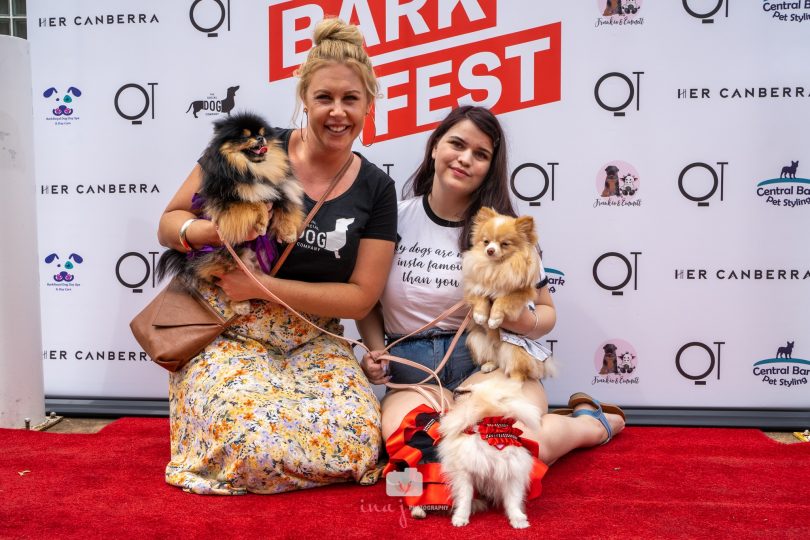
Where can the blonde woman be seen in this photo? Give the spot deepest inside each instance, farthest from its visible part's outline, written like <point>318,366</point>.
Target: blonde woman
<point>273,405</point>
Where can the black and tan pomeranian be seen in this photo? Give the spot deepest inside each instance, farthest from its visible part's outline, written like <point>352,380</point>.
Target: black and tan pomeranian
<point>243,170</point>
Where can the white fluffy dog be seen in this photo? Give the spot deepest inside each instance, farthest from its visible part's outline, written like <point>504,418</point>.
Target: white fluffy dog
<point>487,457</point>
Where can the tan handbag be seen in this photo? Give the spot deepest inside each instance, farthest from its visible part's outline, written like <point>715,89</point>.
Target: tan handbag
<point>179,324</point>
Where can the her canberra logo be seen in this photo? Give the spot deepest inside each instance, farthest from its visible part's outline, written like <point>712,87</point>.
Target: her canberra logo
<point>783,369</point>
<point>788,190</point>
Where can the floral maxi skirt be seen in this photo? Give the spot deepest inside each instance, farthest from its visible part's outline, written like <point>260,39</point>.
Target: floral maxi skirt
<point>271,406</point>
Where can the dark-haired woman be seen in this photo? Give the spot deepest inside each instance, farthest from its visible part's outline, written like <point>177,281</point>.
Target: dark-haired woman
<point>464,168</point>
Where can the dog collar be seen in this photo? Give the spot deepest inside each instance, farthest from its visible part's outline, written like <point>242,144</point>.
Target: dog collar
<point>497,431</point>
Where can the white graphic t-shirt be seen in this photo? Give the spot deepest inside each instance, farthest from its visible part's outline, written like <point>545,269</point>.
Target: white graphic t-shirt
<point>425,277</point>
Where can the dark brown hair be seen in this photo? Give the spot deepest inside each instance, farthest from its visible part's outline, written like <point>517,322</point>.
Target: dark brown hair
<point>493,191</point>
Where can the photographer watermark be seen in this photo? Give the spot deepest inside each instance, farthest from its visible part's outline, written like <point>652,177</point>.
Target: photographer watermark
<point>406,483</point>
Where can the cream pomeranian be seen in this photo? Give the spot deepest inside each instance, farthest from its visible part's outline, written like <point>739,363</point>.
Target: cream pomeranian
<point>500,271</point>
<point>482,453</point>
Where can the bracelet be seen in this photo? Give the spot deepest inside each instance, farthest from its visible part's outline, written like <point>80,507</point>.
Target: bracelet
<point>183,231</point>
<point>536,320</point>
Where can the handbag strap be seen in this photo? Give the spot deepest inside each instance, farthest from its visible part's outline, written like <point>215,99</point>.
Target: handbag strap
<point>332,184</point>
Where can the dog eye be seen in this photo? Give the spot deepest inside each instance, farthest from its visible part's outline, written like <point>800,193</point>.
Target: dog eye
<point>505,244</point>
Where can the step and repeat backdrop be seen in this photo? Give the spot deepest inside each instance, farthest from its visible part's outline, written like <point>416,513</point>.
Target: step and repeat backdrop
<point>662,146</point>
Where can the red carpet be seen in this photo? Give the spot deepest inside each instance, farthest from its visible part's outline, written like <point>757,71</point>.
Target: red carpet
<point>648,483</point>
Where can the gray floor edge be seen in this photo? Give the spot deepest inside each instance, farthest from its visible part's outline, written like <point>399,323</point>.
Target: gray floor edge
<point>769,419</point>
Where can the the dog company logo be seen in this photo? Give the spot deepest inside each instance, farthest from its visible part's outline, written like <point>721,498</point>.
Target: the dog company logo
<point>531,182</point>
<point>208,16</point>
<point>62,105</point>
<point>790,11</point>
<point>212,104</point>
<point>700,182</point>
<point>63,270</point>
<point>97,19</point>
<point>615,92</point>
<point>619,12</point>
<point>556,278</point>
<point>705,11</point>
<point>133,102</point>
<point>617,184</point>
<point>614,271</point>
<point>696,361</point>
<point>133,270</point>
<point>507,72</point>
<point>783,369</point>
<point>787,191</point>
<point>616,362</point>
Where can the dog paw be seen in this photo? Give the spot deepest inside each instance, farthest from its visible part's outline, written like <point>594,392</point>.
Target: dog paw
<point>519,522</point>
<point>460,521</point>
<point>417,512</point>
<point>480,318</point>
<point>488,367</point>
<point>495,322</point>
<point>241,308</point>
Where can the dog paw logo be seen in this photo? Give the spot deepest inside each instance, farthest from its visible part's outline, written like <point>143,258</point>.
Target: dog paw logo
<point>406,483</point>
<point>617,184</point>
<point>616,362</point>
<point>784,369</point>
<point>64,270</point>
<point>213,105</point>
<point>787,190</point>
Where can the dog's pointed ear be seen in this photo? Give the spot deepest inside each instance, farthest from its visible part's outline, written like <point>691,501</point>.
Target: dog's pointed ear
<point>484,214</point>
<point>525,225</point>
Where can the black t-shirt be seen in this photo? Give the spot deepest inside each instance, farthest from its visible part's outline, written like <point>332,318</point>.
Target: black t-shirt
<point>327,250</point>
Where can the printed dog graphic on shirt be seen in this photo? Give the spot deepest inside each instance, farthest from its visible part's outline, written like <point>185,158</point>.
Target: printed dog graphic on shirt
<point>335,240</point>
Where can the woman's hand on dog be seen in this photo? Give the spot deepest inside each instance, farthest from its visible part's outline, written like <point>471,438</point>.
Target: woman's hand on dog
<point>238,286</point>
<point>375,368</point>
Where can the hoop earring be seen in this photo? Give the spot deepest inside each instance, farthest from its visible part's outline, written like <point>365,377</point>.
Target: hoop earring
<point>301,127</point>
<point>374,131</point>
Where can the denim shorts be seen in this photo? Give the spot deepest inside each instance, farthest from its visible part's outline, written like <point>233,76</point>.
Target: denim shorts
<point>428,348</point>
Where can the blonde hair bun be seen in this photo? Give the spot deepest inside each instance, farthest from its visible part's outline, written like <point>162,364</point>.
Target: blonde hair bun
<point>337,30</point>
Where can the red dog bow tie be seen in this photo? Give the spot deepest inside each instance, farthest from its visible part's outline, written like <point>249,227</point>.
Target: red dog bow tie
<point>497,431</point>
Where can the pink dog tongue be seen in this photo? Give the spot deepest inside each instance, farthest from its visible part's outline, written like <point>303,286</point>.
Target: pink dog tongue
<point>262,150</point>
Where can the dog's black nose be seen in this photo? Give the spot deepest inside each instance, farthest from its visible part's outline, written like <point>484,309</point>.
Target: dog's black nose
<point>260,139</point>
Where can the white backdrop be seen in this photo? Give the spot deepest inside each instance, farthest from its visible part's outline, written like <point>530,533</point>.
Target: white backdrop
<point>699,271</point>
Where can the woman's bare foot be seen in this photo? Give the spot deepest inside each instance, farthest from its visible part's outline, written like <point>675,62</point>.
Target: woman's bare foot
<point>599,434</point>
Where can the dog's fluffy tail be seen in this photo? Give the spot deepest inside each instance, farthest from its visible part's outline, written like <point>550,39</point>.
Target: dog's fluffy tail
<point>171,263</point>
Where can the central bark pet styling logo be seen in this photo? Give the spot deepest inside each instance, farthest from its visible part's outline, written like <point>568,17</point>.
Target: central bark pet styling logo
<point>506,73</point>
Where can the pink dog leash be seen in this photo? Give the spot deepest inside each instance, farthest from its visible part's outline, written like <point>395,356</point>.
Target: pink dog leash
<point>423,389</point>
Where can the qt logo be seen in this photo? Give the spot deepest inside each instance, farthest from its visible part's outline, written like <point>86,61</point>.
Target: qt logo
<point>614,93</point>
<point>135,97</point>
<point>707,17</point>
<point>219,13</point>
<point>618,269</point>
<point>134,269</point>
<point>695,354</point>
<point>533,174</point>
<point>64,275</point>
<point>702,196</point>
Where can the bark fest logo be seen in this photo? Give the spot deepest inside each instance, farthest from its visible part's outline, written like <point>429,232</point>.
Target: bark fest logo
<point>508,72</point>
